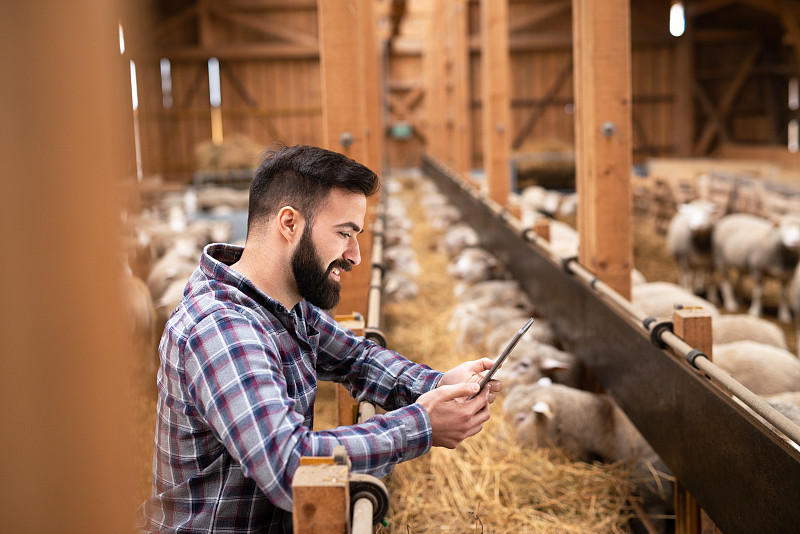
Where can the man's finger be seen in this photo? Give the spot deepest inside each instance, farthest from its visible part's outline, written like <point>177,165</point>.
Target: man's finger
<point>455,391</point>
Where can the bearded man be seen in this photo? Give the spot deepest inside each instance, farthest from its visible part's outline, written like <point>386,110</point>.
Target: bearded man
<point>242,353</point>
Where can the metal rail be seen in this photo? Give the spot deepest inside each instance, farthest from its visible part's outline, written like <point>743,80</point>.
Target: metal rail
<point>744,473</point>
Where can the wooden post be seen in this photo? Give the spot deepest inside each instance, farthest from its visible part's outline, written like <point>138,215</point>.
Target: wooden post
<point>344,118</point>
<point>346,405</point>
<point>542,228</point>
<point>601,49</point>
<point>321,498</point>
<point>693,325</point>
<point>65,373</point>
<point>495,110</point>
<point>683,103</point>
<point>462,135</point>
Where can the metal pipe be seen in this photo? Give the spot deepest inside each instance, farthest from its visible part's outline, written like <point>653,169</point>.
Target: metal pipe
<point>362,516</point>
<point>373,319</point>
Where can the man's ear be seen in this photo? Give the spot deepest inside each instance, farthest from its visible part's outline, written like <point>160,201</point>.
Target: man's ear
<point>291,223</point>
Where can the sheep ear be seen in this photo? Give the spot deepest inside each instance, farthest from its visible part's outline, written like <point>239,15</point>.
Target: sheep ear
<point>551,364</point>
<point>543,408</point>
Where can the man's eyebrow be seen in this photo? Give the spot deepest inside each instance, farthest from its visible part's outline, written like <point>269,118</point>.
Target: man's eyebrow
<point>353,226</point>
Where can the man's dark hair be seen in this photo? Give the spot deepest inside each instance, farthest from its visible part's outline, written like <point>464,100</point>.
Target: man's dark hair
<point>301,176</point>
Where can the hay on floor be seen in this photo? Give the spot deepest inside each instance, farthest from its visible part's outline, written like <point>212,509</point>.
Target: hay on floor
<point>490,483</point>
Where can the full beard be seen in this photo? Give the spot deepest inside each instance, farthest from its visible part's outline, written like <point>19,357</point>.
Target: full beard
<point>313,281</point>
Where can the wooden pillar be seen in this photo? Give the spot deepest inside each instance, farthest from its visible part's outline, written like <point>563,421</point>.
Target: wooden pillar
<point>601,49</point>
<point>694,326</point>
<point>65,370</point>
<point>346,405</point>
<point>495,112</point>
<point>462,133</point>
<point>683,102</point>
<point>344,117</point>
<point>373,88</point>
<point>434,104</point>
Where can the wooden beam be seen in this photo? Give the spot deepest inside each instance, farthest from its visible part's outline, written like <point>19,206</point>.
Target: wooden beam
<point>537,113</point>
<point>372,83</point>
<point>603,139</point>
<point>266,28</point>
<point>726,101</point>
<point>344,118</point>
<point>462,135</point>
<point>232,52</point>
<point>66,92</point>
<point>683,115</point>
<point>321,499</point>
<point>495,91</point>
<point>535,14</point>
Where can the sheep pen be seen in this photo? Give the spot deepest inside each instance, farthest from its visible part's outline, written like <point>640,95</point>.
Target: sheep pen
<point>489,484</point>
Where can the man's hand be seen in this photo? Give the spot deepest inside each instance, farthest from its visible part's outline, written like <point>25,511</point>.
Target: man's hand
<point>471,372</point>
<point>453,417</point>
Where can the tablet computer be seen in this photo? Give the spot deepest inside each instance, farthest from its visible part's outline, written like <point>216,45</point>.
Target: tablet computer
<point>499,361</point>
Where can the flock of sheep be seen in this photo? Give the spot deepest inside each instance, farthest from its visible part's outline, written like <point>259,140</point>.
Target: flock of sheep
<point>542,398</point>
<point>163,245</point>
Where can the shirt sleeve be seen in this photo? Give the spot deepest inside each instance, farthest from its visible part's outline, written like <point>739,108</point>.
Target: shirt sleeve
<point>235,377</point>
<point>371,372</point>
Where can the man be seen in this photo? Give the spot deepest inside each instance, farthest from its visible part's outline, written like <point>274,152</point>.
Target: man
<point>241,355</point>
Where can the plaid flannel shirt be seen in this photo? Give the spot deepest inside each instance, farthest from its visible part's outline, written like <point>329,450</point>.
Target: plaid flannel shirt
<point>236,390</point>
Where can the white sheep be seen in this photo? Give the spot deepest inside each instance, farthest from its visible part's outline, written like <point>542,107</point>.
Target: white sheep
<point>473,321</point>
<point>763,369</point>
<point>688,240</point>
<point>474,264</point>
<point>530,361</point>
<point>541,332</point>
<point>494,293</point>
<point>589,426</point>
<point>751,244</point>
<point>456,238</point>
<point>661,299</point>
<point>728,328</point>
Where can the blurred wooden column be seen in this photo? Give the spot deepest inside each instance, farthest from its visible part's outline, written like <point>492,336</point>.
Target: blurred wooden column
<point>64,375</point>
<point>683,104</point>
<point>495,111</point>
<point>603,158</point>
<point>462,124</point>
<point>432,73</point>
<point>344,74</point>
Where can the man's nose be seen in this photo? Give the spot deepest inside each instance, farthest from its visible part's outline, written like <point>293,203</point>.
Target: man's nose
<point>353,253</point>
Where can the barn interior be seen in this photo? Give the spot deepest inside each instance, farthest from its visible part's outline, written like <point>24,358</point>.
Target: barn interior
<point>133,128</point>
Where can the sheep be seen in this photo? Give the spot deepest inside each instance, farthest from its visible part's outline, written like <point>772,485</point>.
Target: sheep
<point>660,299</point>
<point>740,326</point>
<point>399,286</point>
<point>752,244</point>
<point>176,264</point>
<point>541,332</point>
<point>688,240</point>
<point>531,360</point>
<point>495,293</point>
<point>457,238</point>
<point>474,264</point>
<point>763,369</point>
<point>142,320</point>
<point>473,321</point>
<point>403,259</point>
<point>589,426</point>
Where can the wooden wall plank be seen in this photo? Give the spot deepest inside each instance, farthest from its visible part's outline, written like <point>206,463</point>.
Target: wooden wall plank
<point>603,160</point>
